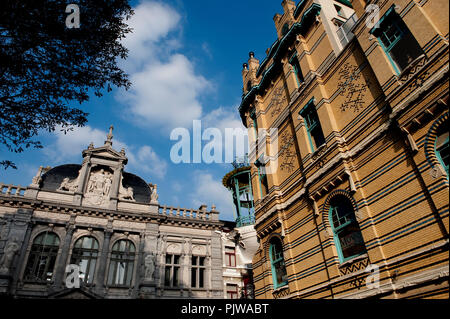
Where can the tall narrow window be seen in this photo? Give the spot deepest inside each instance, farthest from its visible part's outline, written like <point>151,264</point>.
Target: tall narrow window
<point>230,257</point>
<point>298,71</point>
<point>172,271</point>
<point>198,272</point>
<point>41,261</point>
<point>347,235</point>
<point>313,127</point>
<point>263,183</point>
<point>279,275</point>
<point>84,254</point>
<point>396,40</point>
<point>121,265</point>
<point>442,149</point>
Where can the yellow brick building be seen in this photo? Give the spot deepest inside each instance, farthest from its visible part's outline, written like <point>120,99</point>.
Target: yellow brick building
<point>358,203</point>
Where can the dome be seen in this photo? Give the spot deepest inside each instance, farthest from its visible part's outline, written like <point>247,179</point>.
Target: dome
<point>52,180</point>
<point>141,190</point>
<point>54,177</point>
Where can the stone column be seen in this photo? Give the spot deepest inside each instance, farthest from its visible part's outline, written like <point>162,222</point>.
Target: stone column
<point>82,177</point>
<point>115,186</point>
<point>216,266</point>
<point>60,269</point>
<point>13,255</point>
<point>102,263</point>
<point>147,286</point>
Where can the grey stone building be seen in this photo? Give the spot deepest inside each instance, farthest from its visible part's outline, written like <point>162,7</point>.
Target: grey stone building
<point>97,231</point>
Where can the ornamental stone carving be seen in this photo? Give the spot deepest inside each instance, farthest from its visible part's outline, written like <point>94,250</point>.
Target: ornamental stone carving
<point>99,187</point>
<point>150,265</point>
<point>11,249</point>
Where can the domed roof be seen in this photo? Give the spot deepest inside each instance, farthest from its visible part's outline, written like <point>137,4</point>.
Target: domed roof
<point>52,180</point>
<point>54,177</point>
<point>141,190</point>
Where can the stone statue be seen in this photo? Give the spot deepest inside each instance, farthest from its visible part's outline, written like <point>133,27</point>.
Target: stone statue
<point>37,179</point>
<point>68,185</point>
<point>154,195</point>
<point>150,263</point>
<point>127,194</point>
<point>8,255</point>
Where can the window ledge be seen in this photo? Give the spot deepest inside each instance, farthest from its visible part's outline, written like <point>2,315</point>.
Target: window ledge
<point>284,287</point>
<point>411,66</point>
<point>354,259</point>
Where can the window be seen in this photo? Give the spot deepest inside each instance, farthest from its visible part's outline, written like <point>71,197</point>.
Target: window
<point>232,291</point>
<point>198,272</point>
<point>339,11</point>
<point>279,275</point>
<point>313,127</point>
<point>172,271</point>
<point>230,257</point>
<point>41,261</point>
<point>347,235</point>
<point>122,263</point>
<point>263,183</point>
<point>442,148</point>
<point>298,71</point>
<point>84,254</point>
<point>397,41</point>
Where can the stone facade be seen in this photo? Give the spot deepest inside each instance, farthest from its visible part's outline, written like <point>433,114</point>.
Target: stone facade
<point>137,247</point>
<point>359,180</point>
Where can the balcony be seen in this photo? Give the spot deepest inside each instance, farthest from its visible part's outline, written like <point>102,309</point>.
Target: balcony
<point>344,32</point>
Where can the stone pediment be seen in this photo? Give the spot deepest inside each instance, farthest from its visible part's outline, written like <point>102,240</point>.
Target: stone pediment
<point>105,152</point>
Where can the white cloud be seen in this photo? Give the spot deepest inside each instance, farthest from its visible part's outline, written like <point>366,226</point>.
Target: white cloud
<point>151,23</point>
<point>166,94</point>
<point>165,90</point>
<point>210,191</point>
<point>68,147</point>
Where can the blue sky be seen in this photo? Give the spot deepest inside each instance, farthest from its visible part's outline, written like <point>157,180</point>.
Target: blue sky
<point>185,64</point>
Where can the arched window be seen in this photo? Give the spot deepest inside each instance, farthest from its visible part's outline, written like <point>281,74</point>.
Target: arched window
<point>441,147</point>
<point>347,235</point>
<point>122,263</point>
<point>42,258</point>
<point>84,254</point>
<point>279,275</point>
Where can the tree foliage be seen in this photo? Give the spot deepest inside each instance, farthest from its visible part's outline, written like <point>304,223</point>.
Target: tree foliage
<point>46,66</point>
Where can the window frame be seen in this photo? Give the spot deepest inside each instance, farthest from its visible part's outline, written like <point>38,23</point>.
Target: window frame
<point>306,112</point>
<point>172,281</point>
<point>273,261</point>
<point>297,69</point>
<point>51,257</point>
<point>230,256</point>
<point>78,254</point>
<point>342,227</point>
<point>199,270</point>
<point>232,292</point>
<point>438,150</point>
<point>126,257</point>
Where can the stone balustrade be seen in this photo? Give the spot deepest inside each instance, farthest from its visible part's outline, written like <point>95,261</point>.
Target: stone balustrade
<point>184,212</point>
<point>12,190</point>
